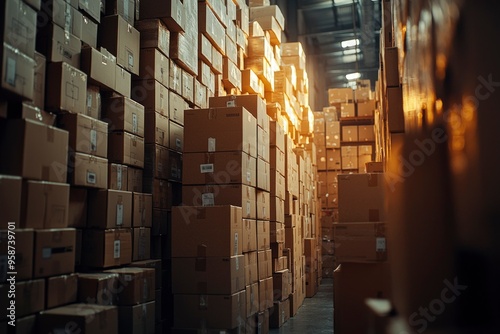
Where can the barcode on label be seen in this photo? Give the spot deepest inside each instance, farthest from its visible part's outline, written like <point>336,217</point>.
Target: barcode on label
<point>380,247</point>
<point>119,214</point>
<point>206,168</point>
<point>116,249</point>
<point>207,199</point>
<point>93,140</point>
<point>130,60</point>
<point>91,178</point>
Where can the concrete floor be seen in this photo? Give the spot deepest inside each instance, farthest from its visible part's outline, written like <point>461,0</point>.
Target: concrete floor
<point>315,315</point>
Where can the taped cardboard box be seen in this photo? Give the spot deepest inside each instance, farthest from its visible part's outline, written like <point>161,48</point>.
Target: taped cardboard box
<point>266,293</point>
<point>126,148</point>
<point>152,264</point>
<point>135,179</point>
<point>24,254</point>
<point>99,68</point>
<point>142,210</point>
<point>138,318</point>
<point>152,95</point>
<point>249,82</point>
<point>265,11</point>
<point>86,134</point>
<point>176,109</point>
<point>106,248</point>
<point>263,235</point>
<point>264,261</point>
<point>64,15</point>
<point>156,129</point>
<point>263,205</point>
<point>61,290</point>
<point>135,285</point>
<point>54,252</point>
<point>366,108</point>
<point>154,65</point>
<point>123,82</point>
<point>66,89</point>
<point>96,288</point>
<point>30,298</point>
<point>218,228</point>
<point>124,8</point>
<point>200,95</point>
<point>154,34</point>
<point>19,72</point>
<point>89,32</point>
<point>175,78</point>
<point>88,171</point>
<point>204,49</point>
<point>360,242</point>
<point>172,13</point>
<point>156,162</point>
<point>181,50</point>
<point>39,81</point>
<point>92,8</point>
<point>252,299</point>
<point>58,46</point>
<point>77,211</point>
<point>16,14</point>
<point>93,104</point>
<point>141,243</point>
<point>249,238</point>
<point>211,27</point>
<point>280,313</point>
<point>123,114</point>
<point>117,177</point>
<point>110,209</point>
<point>361,198</point>
<point>10,192</point>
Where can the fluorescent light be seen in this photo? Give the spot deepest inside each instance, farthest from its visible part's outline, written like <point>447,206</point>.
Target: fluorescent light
<point>351,51</point>
<point>353,76</point>
<point>350,43</point>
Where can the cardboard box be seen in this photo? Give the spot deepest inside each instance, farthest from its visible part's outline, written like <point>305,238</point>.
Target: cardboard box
<point>135,179</point>
<point>123,82</point>
<point>204,49</point>
<point>135,285</point>
<point>252,299</point>
<point>19,73</point>
<point>395,112</point>
<point>176,137</point>
<point>211,27</point>
<point>61,13</point>
<point>124,8</point>
<point>277,233</point>
<point>61,290</point>
<point>177,106</point>
<point>126,148</point>
<point>109,209</point>
<point>391,67</point>
<point>266,293</point>
<point>106,248</point>
<point>66,89</point>
<point>219,311</point>
<point>18,26</point>
<point>277,161</point>
<point>152,95</point>
<point>366,108</point>
<point>24,254</point>
<point>154,34</point>
<point>249,82</point>
<point>93,104</point>
<point>366,133</point>
<point>86,134</point>
<point>203,129</point>
<point>225,194</point>
<point>88,171</point>
<point>33,150</point>
<point>217,64</point>
<point>39,81</point>
<point>100,69</point>
<point>117,177</point>
<point>200,95</point>
<point>280,314</point>
<point>281,285</point>
<point>54,252</point>
<point>45,205</point>
<point>347,110</point>
<point>231,74</point>
<point>161,221</point>
<point>154,65</point>
<point>163,193</point>
<point>142,210</point>
<point>141,243</point>
<point>23,325</point>
<point>263,205</point>
<point>211,275</point>
<point>251,268</point>
<point>187,86</point>
<point>264,261</point>
<point>89,32</point>
<point>122,40</point>
<point>278,185</point>
<point>77,211</point>
<point>249,238</point>
<point>87,318</point>
<point>10,192</point>
<point>263,69</point>
<point>265,11</point>
<point>361,198</point>
<point>332,136</point>
<point>157,162</point>
<point>57,46</point>
<point>26,110</point>
<point>263,235</point>
<point>156,129</point>
<point>217,228</point>
<point>92,8</point>
<point>124,114</point>
<point>97,288</point>
<point>277,136</point>
<point>175,78</point>
<point>219,168</point>
<point>349,133</point>
<point>172,13</point>
<point>30,298</point>
<point>137,319</point>
<point>340,95</point>
<point>360,242</point>
<point>374,167</point>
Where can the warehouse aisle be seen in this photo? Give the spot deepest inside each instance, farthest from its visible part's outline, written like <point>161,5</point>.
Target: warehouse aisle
<point>315,315</point>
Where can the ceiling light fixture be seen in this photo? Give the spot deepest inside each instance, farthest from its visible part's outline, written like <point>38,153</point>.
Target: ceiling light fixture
<point>353,76</point>
<point>350,43</point>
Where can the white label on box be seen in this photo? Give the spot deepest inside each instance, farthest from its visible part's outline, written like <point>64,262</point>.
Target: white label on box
<point>135,127</point>
<point>119,214</point>
<point>249,176</point>
<point>119,177</point>
<point>89,100</point>
<point>236,243</point>
<point>248,208</point>
<point>46,253</point>
<point>10,76</point>
<point>231,104</point>
<point>237,263</point>
<point>211,144</point>
<point>91,177</point>
<point>130,60</point>
<point>206,168</point>
<point>207,199</point>
<point>380,245</point>
<point>93,140</point>
<point>116,250</point>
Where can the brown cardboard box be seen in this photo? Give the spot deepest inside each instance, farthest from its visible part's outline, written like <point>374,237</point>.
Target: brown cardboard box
<point>334,160</point>
<point>135,285</point>
<point>281,285</point>
<point>10,192</point>
<point>154,65</point>
<point>23,325</point>
<point>231,74</point>
<point>61,290</point>
<point>277,210</point>
<point>92,8</point>
<point>263,235</point>
<point>366,133</point>
<point>211,275</point>
<point>162,193</point>
<point>109,209</point>
<point>152,95</point>
<point>100,69</point>
<point>263,205</point>
<point>177,106</point>
<point>349,133</point>
<point>87,318</point>
<point>117,177</point>
<point>39,81</point>
<point>126,148</point>
<point>263,144</point>
<point>266,293</point>
<point>277,160</point>
<point>135,179</point>
<point>93,104</point>
<point>142,210</point>
<point>152,264</point>
<point>124,8</point>
<point>264,262</point>
<point>123,114</point>
<point>54,252</point>
<point>187,86</point>
<point>171,13</point>
<point>203,129</point>
<point>211,27</point>
<point>24,254</point>
<point>366,108</point>
<point>260,47</point>
<point>137,319</point>
<point>123,82</point>
<point>154,34</point>
<point>176,137</point>
<point>251,268</point>
<point>89,32</point>
<point>217,228</point>
<point>19,72</point>
<point>26,110</point>
<point>277,233</point>
<point>122,40</point>
<point>204,49</point>
<point>249,81</point>
<point>249,237</point>
<point>45,205</point>
<point>175,78</point>
<point>161,220</point>
<point>141,243</point>
<point>277,136</point>
<point>360,242</point>
<point>97,288</point>
<point>86,134</point>
<point>29,297</point>
<point>156,128</point>
<point>106,248</point>
<point>374,167</point>
<point>59,46</point>
<point>263,69</point>
<point>156,162</point>
<point>77,211</point>
<point>224,194</point>
<point>391,67</point>
<point>278,185</point>
<point>395,112</point>
<point>361,198</point>
<point>219,168</point>
<point>200,95</point>
<point>19,26</point>
<point>280,314</point>
<point>265,11</point>
<point>252,299</point>
<point>219,311</point>
<point>66,89</point>
<point>88,171</point>
<point>340,95</point>
<point>217,64</point>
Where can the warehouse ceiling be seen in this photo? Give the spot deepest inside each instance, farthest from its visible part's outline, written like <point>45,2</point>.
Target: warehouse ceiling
<point>324,25</point>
